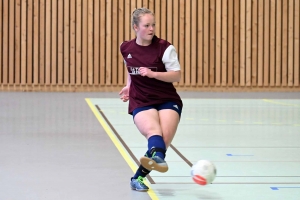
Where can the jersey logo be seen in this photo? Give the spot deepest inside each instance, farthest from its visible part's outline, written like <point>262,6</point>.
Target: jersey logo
<point>134,71</point>
<point>175,106</point>
<point>129,56</point>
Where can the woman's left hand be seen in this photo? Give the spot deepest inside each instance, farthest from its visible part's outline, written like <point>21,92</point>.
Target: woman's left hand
<point>144,71</point>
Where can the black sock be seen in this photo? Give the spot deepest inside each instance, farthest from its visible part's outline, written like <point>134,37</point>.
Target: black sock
<point>142,171</point>
<point>148,154</point>
<point>157,141</point>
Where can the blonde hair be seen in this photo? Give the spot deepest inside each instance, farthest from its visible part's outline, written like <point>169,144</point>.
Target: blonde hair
<point>137,13</point>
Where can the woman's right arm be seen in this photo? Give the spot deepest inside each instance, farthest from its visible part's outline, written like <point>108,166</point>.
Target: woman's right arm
<point>128,80</point>
<point>125,90</point>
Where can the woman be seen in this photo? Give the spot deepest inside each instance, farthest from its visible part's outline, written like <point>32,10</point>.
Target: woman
<point>152,66</point>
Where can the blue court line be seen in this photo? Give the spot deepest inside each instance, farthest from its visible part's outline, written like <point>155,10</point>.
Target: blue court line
<point>229,154</point>
<point>277,188</point>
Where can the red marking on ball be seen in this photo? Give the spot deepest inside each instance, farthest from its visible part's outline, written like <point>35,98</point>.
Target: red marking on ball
<point>199,180</point>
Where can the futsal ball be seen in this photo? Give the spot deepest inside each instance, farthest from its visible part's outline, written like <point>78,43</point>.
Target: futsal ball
<point>203,172</point>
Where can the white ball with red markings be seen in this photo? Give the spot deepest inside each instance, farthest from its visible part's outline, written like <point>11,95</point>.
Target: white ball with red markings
<point>203,172</point>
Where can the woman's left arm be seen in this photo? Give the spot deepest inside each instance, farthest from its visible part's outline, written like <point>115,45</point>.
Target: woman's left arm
<point>169,76</point>
<point>170,60</point>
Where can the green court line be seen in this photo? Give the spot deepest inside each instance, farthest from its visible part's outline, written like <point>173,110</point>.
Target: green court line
<point>280,103</point>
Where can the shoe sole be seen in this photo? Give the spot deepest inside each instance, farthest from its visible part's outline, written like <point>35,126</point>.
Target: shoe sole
<point>142,190</point>
<point>150,164</point>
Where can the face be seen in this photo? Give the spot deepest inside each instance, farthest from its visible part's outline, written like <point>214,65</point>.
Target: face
<point>146,28</point>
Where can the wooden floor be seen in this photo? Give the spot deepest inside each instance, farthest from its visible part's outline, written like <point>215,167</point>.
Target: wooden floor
<point>85,146</point>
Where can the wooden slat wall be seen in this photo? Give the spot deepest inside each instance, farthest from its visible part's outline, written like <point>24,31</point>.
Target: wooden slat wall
<point>73,45</point>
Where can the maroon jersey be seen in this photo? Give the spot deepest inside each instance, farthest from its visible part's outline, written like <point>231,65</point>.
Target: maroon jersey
<point>146,91</point>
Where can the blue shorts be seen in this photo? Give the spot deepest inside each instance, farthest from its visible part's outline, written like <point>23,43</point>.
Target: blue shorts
<point>167,105</point>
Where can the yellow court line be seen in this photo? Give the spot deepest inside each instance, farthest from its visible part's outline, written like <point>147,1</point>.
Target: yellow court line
<point>118,144</point>
<point>279,103</point>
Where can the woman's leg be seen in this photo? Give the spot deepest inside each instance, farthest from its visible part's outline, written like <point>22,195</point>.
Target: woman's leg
<point>148,123</point>
<point>154,124</point>
<point>159,127</point>
<point>169,120</point>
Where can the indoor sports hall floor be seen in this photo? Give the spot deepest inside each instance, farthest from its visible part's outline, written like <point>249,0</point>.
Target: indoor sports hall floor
<point>84,146</point>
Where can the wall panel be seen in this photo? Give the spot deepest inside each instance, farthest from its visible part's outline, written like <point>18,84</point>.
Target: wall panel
<point>272,42</point>
<point>54,63</point>
<point>36,41</point>
<point>5,42</point>
<point>48,60</point>
<point>248,42</point>
<point>17,60</point>
<point>73,45</point>
<point>224,53</point>
<point>296,44</point>
<point>11,43</point>
<point>42,45</point>
<point>66,43</point>
<point>278,43</point>
<point>1,41</point>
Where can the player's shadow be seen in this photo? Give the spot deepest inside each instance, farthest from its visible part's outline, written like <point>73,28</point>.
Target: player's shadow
<point>201,194</point>
<point>208,196</point>
<point>166,192</point>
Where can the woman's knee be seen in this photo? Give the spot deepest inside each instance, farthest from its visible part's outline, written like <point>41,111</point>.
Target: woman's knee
<point>168,138</point>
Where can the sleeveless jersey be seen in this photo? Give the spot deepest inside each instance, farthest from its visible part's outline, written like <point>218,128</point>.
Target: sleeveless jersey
<point>145,91</point>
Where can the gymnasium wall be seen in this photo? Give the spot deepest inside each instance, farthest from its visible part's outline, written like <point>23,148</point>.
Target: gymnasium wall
<point>73,45</point>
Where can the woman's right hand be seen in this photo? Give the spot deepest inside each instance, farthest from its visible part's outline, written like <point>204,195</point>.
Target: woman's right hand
<point>124,94</point>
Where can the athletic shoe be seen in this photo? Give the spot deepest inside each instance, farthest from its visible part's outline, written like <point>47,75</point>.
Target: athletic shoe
<point>154,163</point>
<point>138,184</point>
